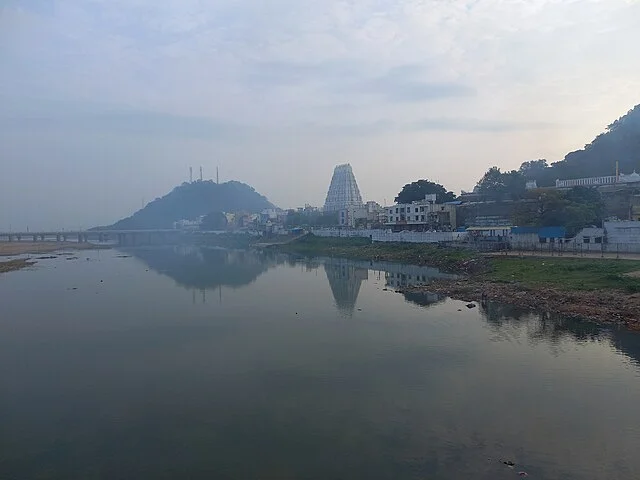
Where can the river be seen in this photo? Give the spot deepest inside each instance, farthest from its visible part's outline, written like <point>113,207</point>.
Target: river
<point>197,363</point>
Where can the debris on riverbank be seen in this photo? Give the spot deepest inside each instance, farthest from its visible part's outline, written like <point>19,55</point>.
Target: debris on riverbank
<point>12,265</point>
<point>604,306</point>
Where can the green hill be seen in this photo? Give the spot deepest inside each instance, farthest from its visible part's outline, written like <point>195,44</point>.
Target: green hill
<point>620,142</point>
<point>191,200</point>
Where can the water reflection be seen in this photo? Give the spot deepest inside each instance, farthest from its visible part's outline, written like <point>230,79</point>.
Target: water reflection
<point>423,299</point>
<point>345,279</point>
<point>346,276</point>
<point>122,378</point>
<point>202,269</point>
<point>207,268</point>
<point>545,327</point>
<point>398,276</point>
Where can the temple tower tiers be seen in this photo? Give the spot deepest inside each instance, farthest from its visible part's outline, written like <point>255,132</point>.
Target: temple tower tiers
<point>343,191</point>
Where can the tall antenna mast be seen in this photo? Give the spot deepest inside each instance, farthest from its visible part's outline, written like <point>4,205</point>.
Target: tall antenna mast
<point>190,174</point>
<point>217,176</point>
<point>200,173</point>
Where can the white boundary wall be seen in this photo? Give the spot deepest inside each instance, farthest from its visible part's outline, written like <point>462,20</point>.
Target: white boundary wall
<point>388,236</point>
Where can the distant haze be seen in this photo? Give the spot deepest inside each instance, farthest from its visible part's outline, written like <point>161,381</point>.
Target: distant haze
<point>105,104</point>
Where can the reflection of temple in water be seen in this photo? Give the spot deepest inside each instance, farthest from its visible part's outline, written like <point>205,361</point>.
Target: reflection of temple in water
<point>345,280</point>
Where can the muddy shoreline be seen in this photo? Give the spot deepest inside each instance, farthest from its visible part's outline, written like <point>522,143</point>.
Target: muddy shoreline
<point>602,306</point>
<point>13,265</point>
<point>8,249</point>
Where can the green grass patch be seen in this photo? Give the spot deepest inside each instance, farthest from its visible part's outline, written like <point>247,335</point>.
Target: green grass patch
<point>566,273</point>
<point>362,248</point>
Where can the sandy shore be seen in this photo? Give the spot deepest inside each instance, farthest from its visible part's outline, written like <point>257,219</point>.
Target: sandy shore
<point>22,248</point>
<point>604,306</point>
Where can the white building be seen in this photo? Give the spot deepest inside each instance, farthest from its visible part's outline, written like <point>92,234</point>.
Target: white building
<point>422,215</point>
<point>623,232</point>
<point>364,215</point>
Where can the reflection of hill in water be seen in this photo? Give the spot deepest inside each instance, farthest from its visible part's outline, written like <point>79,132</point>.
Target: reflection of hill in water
<point>206,268</point>
<point>552,329</point>
<point>345,280</point>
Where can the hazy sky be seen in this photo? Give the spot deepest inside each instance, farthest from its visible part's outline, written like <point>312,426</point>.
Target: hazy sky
<point>106,103</point>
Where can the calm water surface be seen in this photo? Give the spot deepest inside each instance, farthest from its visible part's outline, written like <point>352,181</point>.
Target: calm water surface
<point>208,364</point>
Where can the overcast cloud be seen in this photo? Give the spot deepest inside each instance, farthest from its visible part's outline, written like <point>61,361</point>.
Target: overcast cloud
<point>106,103</point>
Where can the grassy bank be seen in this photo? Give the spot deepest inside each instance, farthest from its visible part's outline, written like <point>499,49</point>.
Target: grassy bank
<point>562,273</point>
<point>447,259</point>
<point>566,273</point>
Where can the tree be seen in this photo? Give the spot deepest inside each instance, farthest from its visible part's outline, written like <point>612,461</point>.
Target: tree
<point>574,209</point>
<point>413,192</point>
<point>304,219</point>
<point>533,168</point>
<point>214,221</point>
<point>496,185</point>
<point>619,143</point>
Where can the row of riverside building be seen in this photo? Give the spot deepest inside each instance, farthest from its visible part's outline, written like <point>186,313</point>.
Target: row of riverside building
<point>344,199</point>
<point>484,225</point>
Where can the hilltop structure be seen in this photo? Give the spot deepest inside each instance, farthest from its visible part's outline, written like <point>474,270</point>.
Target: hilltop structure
<point>631,179</point>
<point>343,190</point>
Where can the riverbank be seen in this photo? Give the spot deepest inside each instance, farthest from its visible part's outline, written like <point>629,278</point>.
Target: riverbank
<point>23,248</point>
<point>603,306</point>
<point>451,260</point>
<point>12,265</point>
<point>600,289</point>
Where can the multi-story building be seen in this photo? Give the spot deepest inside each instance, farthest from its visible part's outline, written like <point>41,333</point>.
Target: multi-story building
<point>422,215</point>
<point>367,215</point>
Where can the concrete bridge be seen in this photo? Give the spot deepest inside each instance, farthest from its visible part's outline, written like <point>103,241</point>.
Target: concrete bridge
<point>122,237</point>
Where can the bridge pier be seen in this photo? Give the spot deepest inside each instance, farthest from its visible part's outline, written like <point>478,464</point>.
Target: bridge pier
<point>35,238</point>
<point>57,237</point>
<point>100,237</point>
